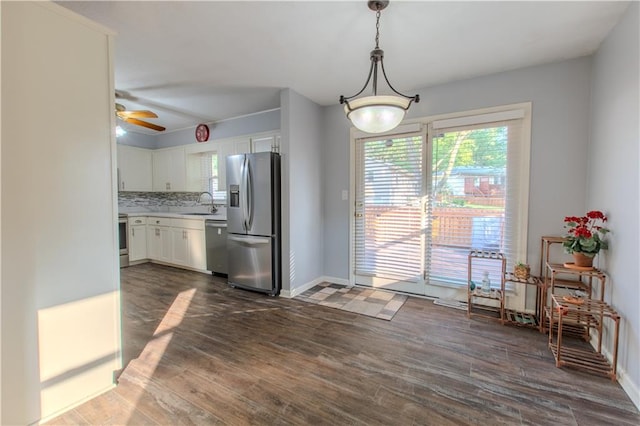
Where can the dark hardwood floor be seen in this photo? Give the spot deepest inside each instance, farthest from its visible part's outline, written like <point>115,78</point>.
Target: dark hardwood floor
<point>199,352</point>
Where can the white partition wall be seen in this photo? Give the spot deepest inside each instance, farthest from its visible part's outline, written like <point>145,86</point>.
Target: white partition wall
<point>60,292</point>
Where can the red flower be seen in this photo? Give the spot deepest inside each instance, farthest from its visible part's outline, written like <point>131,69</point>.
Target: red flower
<point>584,233</point>
<point>596,214</point>
<point>572,219</point>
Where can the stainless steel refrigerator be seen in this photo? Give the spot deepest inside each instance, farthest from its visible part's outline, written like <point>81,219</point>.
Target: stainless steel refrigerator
<point>253,221</point>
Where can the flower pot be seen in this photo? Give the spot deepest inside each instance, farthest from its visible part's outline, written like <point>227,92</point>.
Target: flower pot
<point>522,271</point>
<point>582,260</point>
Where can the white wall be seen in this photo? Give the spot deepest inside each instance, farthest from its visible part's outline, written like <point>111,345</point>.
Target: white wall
<point>138,139</point>
<point>265,121</point>
<point>302,152</point>
<point>560,121</point>
<point>613,183</point>
<point>60,296</point>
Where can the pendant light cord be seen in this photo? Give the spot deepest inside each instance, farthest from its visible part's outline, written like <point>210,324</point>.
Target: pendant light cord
<point>377,28</point>
<point>377,58</point>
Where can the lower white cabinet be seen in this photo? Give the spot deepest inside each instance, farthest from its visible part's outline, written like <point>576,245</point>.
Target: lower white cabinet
<point>177,241</point>
<point>189,248</point>
<point>159,243</point>
<point>159,239</point>
<point>137,239</point>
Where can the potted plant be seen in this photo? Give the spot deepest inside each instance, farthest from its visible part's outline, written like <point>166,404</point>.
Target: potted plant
<point>584,237</point>
<point>521,270</point>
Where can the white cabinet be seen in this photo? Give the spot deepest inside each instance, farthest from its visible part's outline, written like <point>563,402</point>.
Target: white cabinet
<point>226,148</point>
<point>188,245</point>
<point>159,245</point>
<point>241,146</point>
<point>169,169</point>
<point>180,246</point>
<point>220,148</point>
<point>188,248</point>
<point>137,239</point>
<point>265,144</point>
<point>134,168</point>
<point>197,249</point>
<point>177,241</point>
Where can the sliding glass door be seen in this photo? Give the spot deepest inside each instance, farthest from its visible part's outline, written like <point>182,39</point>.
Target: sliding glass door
<point>421,203</point>
<point>389,218</point>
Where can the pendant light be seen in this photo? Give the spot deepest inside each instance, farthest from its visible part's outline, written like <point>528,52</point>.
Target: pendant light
<point>377,113</point>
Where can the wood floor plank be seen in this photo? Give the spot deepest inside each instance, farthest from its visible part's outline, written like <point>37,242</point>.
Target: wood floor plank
<point>199,352</point>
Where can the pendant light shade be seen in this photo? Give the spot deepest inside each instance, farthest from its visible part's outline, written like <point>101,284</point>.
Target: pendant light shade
<point>377,113</point>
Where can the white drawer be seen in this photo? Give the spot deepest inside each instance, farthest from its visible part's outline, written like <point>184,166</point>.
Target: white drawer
<point>158,221</point>
<point>188,223</point>
<point>137,220</point>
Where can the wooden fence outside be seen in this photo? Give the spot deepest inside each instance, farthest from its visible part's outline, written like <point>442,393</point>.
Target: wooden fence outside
<point>450,226</point>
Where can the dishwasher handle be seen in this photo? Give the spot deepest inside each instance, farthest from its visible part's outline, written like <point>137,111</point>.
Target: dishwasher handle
<point>213,224</point>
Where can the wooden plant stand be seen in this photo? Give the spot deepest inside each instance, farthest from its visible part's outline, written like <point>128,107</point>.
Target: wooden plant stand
<point>590,314</point>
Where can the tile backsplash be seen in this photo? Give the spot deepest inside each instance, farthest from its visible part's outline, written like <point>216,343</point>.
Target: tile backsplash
<point>159,201</point>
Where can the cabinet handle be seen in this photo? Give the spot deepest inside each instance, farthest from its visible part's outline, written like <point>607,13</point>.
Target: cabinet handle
<point>133,232</point>
<point>168,186</point>
<point>157,232</point>
<point>123,185</point>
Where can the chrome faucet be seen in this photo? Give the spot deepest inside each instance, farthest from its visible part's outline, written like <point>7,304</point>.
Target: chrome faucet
<point>213,206</point>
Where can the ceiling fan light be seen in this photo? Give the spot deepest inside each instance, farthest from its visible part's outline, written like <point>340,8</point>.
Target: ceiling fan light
<point>377,114</point>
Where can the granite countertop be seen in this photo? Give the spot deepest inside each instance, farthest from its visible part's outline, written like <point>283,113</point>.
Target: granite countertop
<point>195,213</point>
<point>221,217</point>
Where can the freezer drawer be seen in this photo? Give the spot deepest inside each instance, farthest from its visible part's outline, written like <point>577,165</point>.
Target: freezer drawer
<point>249,262</point>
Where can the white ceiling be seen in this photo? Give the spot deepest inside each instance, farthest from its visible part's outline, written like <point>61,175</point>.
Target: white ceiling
<point>193,62</point>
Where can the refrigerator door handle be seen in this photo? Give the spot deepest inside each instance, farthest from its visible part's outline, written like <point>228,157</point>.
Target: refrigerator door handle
<point>245,213</point>
<point>249,191</point>
<point>249,240</point>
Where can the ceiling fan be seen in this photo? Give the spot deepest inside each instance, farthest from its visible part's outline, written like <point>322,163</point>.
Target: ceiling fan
<point>133,117</point>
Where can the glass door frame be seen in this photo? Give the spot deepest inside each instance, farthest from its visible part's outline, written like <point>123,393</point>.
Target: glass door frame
<point>417,287</point>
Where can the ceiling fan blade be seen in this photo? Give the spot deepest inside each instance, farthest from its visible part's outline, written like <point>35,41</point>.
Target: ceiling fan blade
<point>138,114</point>
<point>143,123</point>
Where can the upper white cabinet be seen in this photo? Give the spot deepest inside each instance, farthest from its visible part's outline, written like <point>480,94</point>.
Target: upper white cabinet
<point>134,169</point>
<point>169,169</point>
<point>241,146</point>
<point>269,143</point>
<point>181,168</point>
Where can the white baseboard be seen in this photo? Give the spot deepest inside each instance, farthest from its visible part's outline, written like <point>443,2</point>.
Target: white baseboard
<point>627,384</point>
<point>72,406</point>
<point>289,294</point>
<point>629,387</point>
<point>335,280</point>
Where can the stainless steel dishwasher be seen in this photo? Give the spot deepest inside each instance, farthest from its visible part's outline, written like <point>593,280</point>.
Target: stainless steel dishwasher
<point>216,241</point>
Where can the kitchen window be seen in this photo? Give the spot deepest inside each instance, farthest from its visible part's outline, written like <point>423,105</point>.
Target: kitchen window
<point>209,171</point>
